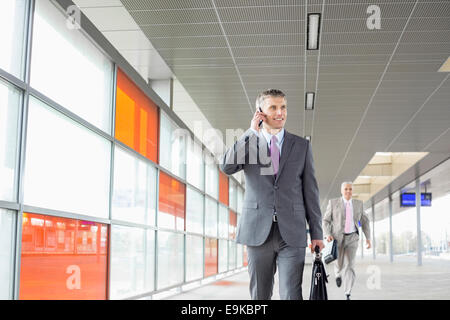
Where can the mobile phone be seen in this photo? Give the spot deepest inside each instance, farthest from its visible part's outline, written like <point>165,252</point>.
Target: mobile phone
<point>260,121</point>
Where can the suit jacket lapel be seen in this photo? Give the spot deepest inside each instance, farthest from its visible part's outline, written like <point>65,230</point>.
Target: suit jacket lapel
<point>285,150</point>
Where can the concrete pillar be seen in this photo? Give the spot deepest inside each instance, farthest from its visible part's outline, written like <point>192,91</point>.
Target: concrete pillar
<point>373,231</point>
<point>391,241</point>
<point>419,228</point>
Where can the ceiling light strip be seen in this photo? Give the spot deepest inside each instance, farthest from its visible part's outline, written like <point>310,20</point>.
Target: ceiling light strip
<point>318,67</point>
<point>232,56</point>
<point>304,63</point>
<point>368,105</point>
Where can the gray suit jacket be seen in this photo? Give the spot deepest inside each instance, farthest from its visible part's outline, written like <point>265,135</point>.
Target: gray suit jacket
<point>334,218</point>
<point>294,194</point>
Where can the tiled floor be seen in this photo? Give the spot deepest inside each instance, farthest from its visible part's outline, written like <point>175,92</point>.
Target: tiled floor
<point>402,279</point>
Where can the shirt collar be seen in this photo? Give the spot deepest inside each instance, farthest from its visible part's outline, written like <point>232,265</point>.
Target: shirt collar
<point>345,201</point>
<point>268,136</point>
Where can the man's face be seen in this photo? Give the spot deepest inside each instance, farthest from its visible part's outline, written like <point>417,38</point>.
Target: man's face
<point>276,112</point>
<point>347,191</point>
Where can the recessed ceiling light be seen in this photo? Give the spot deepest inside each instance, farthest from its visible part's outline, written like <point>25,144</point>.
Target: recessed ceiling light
<point>446,66</point>
<point>309,101</point>
<point>313,31</point>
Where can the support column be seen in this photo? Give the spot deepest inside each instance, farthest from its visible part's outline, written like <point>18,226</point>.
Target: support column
<point>373,231</point>
<point>391,243</point>
<point>419,228</point>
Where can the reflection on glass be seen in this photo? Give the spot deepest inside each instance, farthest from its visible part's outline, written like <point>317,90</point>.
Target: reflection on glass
<point>231,255</point>
<point>223,255</point>
<point>172,155</point>
<point>67,166</point>
<point>211,220</point>
<point>170,259</point>
<point>12,36</point>
<point>223,188</point>
<point>233,195</point>
<point>134,195</point>
<point>9,114</point>
<point>194,211</point>
<point>194,257</point>
<point>6,252</point>
<point>132,261</point>
<point>211,177</point>
<point>63,258</point>
<point>171,202</point>
<point>240,199</point>
<point>240,255</point>
<point>223,222</point>
<point>195,173</point>
<point>233,225</point>
<point>67,67</point>
<point>210,257</point>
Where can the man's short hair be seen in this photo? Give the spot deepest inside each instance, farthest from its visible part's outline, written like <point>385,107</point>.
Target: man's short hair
<point>345,183</point>
<point>268,93</point>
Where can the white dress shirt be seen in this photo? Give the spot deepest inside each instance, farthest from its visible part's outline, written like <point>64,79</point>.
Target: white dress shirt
<point>268,137</point>
<point>352,225</point>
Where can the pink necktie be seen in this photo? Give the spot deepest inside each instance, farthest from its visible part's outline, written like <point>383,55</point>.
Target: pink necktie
<point>348,217</point>
<point>274,154</point>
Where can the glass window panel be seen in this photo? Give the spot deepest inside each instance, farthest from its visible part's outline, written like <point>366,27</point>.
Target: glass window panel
<point>69,68</point>
<point>63,258</point>
<point>233,195</point>
<point>211,218</point>
<point>132,261</point>
<point>6,252</point>
<point>194,257</point>
<point>223,255</point>
<point>240,255</point>
<point>245,256</point>
<point>134,195</point>
<point>172,154</point>
<point>12,24</point>
<point>171,202</point>
<point>231,255</point>
<point>240,199</point>
<point>196,173</point>
<point>233,225</point>
<point>223,188</point>
<point>210,257</point>
<point>170,259</point>
<point>67,166</point>
<point>9,116</point>
<point>137,118</point>
<point>194,211</point>
<point>211,177</point>
<point>223,222</point>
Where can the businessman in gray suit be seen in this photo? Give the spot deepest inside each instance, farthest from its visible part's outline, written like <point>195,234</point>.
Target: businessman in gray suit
<point>281,195</point>
<point>340,222</point>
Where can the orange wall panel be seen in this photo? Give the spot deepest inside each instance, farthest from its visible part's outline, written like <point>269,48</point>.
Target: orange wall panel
<point>63,259</point>
<point>223,188</point>
<point>137,118</point>
<point>172,198</point>
<point>211,262</point>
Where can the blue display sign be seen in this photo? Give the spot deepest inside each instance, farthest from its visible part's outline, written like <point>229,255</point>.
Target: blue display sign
<point>409,199</point>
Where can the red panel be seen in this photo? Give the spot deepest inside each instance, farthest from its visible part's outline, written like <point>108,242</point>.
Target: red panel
<point>223,188</point>
<point>137,119</point>
<point>172,195</point>
<point>63,259</point>
<point>233,224</point>
<point>211,262</point>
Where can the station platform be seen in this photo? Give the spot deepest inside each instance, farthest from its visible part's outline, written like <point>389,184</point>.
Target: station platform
<point>401,280</point>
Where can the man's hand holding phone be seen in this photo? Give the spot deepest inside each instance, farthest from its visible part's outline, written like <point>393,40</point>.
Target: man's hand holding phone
<point>257,120</point>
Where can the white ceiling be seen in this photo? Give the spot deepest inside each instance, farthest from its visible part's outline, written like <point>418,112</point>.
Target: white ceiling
<point>376,90</point>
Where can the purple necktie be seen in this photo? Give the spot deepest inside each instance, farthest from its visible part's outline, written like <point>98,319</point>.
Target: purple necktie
<point>274,154</point>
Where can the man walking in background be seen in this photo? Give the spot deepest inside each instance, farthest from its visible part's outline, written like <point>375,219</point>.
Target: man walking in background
<point>340,222</point>
<point>281,194</point>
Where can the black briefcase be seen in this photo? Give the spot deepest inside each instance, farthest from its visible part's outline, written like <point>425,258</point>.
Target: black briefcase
<point>330,252</point>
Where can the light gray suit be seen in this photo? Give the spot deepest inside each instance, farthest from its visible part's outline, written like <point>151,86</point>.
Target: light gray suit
<point>293,195</point>
<point>334,225</point>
